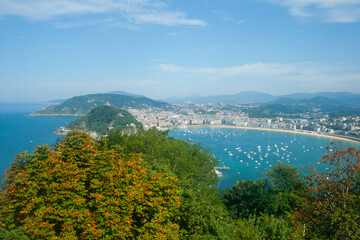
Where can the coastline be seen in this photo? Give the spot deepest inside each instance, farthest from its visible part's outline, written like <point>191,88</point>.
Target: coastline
<point>55,115</point>
<point>309,133</point>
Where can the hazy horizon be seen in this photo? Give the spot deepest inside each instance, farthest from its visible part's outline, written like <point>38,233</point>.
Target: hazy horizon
<point>50,101</point>
<point>158,48</point>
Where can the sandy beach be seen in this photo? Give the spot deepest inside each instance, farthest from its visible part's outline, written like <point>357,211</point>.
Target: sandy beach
<point>309,133</point>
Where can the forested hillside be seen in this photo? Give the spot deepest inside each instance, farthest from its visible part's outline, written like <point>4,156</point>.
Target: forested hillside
<point>287,106</point>
<point>104,118</point>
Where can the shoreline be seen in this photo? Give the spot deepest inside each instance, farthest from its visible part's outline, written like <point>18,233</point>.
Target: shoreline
<point>309,133</point>
<point>55,115</point>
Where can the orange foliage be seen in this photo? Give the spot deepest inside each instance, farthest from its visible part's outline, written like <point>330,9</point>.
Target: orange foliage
<point>83,191</point>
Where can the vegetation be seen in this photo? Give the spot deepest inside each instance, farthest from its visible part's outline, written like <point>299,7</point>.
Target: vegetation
<point>278,194</point>
<point>291,107</point>
<point>82,105</point>
<point>262,209</point>
<point>266,227</point>
<point>103,118</point>
<point>284,206</point>
<point>151,186</point>
<point>202,215</point>
<point>82,190</point>
<point>203,112</point>
<point>334,210</point>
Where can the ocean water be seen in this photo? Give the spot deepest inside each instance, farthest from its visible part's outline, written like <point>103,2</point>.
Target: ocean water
<point>20,132</point>
<point>249,153</point>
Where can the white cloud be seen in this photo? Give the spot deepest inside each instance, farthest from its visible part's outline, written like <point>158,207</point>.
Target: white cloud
<point>255,69</point>
<point>169,68</point>
<point>165,18</point>
<point>175,34</point>
<point>325,10</point>
<point>131,11</point>
<point>226,17</point>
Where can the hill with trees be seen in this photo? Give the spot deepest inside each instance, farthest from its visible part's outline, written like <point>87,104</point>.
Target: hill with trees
<point>104,118</point>
<point>81,105</point>
<point>288,106</point>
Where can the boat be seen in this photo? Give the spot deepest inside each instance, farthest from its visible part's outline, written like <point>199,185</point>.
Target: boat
<point>218,173</point>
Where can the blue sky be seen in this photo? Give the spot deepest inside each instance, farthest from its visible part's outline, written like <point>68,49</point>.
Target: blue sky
<point>63,48</point>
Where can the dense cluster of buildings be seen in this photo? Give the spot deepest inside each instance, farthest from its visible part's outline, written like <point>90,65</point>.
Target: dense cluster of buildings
<point>202,114</point>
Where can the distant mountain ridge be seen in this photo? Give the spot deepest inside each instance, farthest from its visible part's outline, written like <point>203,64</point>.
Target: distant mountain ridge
<point>252,97</point>
<point>300,106</point>
<point>300,102</point>
<point>81,105</point>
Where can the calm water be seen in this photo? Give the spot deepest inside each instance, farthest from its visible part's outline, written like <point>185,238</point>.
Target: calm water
<point>20,132</point>
<point>249,153</point>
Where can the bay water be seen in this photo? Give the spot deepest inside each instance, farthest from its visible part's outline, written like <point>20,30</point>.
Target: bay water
<point>249,153</point>
<point>20,132</point>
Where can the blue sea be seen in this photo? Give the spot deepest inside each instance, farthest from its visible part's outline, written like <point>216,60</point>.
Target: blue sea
<point>248,153</point>
<point>20,132</point>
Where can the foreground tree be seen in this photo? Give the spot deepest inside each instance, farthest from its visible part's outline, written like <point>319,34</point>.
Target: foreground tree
<point>279,194</point>
<point>81,190</point>
<point>334,210</point>
<point>266,227</point>
<point>262,209</point>
<point>202,215</point>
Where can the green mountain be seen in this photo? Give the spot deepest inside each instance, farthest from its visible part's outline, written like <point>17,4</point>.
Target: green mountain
<point>252,97</point>
<point>104,118</point>
<point>297,106</point>
<point>82,105</point>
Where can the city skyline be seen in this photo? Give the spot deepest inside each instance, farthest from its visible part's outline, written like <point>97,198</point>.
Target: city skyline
<point>161,49</point>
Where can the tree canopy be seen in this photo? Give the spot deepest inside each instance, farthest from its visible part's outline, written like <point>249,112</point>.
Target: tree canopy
<point>333,212</point>
<point>282,191</point>
<point>82,190</point>
<point>202,215</point>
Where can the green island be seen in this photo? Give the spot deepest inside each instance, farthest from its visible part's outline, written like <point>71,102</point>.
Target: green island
<point>151,186</point>
<point>104,118</point>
